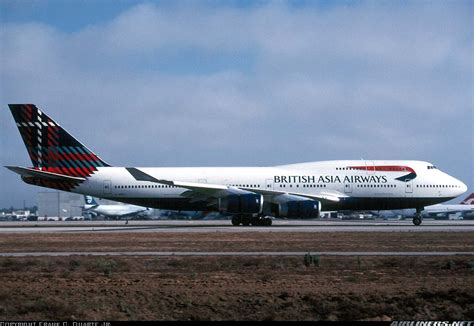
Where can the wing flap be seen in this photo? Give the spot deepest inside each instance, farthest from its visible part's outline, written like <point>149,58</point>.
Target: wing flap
<point>329,196</point>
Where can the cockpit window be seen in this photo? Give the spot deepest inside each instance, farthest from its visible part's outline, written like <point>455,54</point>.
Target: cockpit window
<point>431,167</point>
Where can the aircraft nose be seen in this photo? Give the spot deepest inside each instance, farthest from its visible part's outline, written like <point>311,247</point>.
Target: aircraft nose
<point>460,187</point>
<point>463,187</point>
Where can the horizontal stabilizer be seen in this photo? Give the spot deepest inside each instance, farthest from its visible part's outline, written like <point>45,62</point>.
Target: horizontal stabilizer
<point>32,173</point>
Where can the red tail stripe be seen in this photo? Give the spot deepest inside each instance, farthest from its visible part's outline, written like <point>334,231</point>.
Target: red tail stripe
<point>74,157</point>
<point>53,156</point>
<point>87,157</point>
<point>80,172</point>
<point>87,171</point>
<point>52,140</point>
<point>29,112</point>
<point>53,131</point>
<point>33,155</point>
<point>386,168</point>
<point>74,170</point>
<point>28,137</point>
<point>66,171</point>
<point>66,157</point>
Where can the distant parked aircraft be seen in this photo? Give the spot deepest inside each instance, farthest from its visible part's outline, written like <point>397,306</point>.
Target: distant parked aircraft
<point>115,211</point>
<point>467,205</point>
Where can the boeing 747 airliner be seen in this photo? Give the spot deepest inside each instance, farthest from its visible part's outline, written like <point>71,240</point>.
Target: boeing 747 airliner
<point>252,195</point>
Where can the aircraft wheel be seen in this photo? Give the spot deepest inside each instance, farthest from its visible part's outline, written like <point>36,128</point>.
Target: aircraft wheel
<point>236,220</point>
<point>417,220</point>
<point>267,221</point>
<point>245,221</point>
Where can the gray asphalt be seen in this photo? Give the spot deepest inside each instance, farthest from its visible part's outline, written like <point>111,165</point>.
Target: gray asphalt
<point>225,226</point>
<point>237,254</point>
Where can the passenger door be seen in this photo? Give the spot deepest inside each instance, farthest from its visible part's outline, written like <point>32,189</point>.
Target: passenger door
<point>408,187</point>
<point>269,184</point>
<point>107,187</point>
<point>347,187</point>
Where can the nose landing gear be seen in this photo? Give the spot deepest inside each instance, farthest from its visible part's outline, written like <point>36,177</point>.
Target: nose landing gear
<point>418,218</point>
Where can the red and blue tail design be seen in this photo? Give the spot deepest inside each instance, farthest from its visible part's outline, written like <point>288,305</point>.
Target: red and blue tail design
<point>51,148</point>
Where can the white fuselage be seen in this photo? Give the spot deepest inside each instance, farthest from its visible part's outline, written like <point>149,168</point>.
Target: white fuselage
<point>362,184</point>
<point>434,209</point>
<point>115,210</point>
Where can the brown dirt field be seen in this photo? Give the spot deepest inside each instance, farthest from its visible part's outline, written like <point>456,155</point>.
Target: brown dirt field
<point>252,241</point>
<point>237,288</point>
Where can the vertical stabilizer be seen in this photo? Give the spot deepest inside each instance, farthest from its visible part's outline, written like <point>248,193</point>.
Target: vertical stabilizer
<point>90,201</point>
<point>51,148</point>
<point>469,200</point>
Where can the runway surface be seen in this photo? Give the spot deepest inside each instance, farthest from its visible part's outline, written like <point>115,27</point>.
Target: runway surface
<point>225,226</point>
<point>236,253</point>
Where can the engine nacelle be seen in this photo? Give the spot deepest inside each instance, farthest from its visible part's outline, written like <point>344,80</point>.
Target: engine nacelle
<point>298,209</point>
<point>241,204</point>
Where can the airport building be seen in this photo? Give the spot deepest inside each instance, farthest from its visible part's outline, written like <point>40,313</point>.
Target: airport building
<point>54,204</point>
<point>59,205</point>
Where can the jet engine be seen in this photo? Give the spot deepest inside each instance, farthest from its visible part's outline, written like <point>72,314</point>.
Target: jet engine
<point>250,203</point>
<point>304,209</point>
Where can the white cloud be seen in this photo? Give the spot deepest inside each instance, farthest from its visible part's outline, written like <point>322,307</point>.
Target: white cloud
<point>266,84</point>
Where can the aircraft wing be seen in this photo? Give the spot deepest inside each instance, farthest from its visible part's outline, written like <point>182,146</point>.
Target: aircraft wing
<point>205,190</point>
<point>197,191</point>
<point>332,196</point>
<point>134,213</point>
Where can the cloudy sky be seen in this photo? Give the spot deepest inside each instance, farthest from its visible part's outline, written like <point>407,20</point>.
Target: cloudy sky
<point>211,83</point>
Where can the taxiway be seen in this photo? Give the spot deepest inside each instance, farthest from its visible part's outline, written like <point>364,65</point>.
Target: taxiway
<point>236,253</point>
<point>201,226</point>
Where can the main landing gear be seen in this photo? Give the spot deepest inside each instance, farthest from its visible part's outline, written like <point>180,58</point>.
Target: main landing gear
<point>417,219</point>
<point>247,220</point>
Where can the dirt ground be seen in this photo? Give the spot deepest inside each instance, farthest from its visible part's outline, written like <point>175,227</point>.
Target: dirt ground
<point>252,241</point>
<point>237,288</point>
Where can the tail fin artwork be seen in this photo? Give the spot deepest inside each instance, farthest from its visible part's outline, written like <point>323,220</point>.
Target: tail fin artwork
<point>59,160</point>
<point>51,148</point>
<point>469,200</point>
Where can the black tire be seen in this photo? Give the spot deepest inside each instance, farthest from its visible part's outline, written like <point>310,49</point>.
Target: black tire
<point>417,220</point>
<point>255,221</point>
<point>245,221</point>
<point>236,220</point>
<point>267,222</point>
